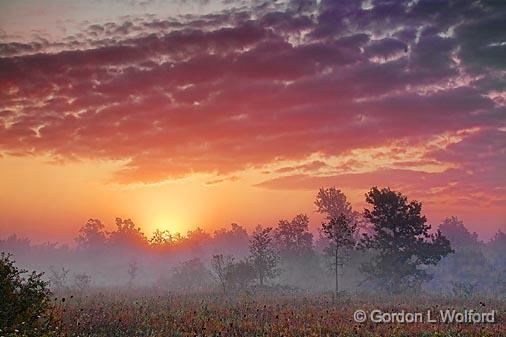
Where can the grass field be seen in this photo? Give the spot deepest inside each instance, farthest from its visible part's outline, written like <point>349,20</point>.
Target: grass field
<point>116,313</point>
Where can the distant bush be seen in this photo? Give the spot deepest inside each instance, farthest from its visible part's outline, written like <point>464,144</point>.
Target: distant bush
<point>25,301</point>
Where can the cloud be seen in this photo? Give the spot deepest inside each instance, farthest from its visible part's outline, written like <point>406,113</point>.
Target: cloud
<point>239,89</point>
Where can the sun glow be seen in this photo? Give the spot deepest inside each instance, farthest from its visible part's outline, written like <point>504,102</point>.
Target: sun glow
<point>172,223</point>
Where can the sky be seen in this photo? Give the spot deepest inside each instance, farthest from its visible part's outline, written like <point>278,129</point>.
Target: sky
<point>186,113</point>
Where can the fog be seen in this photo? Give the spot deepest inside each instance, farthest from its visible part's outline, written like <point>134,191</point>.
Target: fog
<point>224,260</point>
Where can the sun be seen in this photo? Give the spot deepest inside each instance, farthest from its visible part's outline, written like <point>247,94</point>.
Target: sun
<point>163,222</point>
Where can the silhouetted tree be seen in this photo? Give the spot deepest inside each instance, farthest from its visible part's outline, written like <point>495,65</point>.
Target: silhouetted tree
<point>232,241</point>
<point>332,203</point>
<point>293,238</point>
<point>262,254</point>
<point>160,238</point>
<point>402,241</point>
<point>299,262</point>
<point>91,235</point>
<point>127,234</point>
<point>340,233</point>
<point>197,241</point>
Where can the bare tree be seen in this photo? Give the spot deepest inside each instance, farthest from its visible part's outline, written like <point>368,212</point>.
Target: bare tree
<point>58,278</point>
<point>220,267</point>
<point>133,269</point>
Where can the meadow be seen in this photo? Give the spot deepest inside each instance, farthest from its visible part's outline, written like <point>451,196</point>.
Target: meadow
<point>150,313</point>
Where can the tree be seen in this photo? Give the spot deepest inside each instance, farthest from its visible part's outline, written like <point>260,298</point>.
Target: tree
<point>459,236</point>
<point>190,275</point>
<point>197,240</point>
<point>230,274</point>
<point>462,273</point>
<point>262,254</point>
<point>91,235</point>
<point>299,262</point>
<point>25,300</point>
<point>160,238</point>
<point>127,234</point>
<point>332,203</point>
<point>496,250</point>
<point>293,238</point>
<point>220,266</point>
<point>233,241</point>
<point>340,233</point>
<point>401,240</point>
<point>239,275</point>
<point>133,269</point>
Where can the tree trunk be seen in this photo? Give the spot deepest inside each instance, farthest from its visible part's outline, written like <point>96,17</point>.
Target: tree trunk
<point>337,272</point>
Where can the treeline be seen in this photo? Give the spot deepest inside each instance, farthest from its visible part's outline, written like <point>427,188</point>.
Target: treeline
<point>388,248</point>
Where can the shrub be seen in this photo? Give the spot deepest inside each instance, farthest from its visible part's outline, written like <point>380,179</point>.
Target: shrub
<point>25,300</point>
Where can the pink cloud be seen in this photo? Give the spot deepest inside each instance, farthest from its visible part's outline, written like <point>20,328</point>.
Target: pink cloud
<point>226,92</point>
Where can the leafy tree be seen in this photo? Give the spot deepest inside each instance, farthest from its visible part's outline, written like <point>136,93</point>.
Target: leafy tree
<point>496,251</point>
<point>402,241</point>
<point>197,240</point>
<point>190,275</point>
<point>239,275</point>
<point>300,265</point>
<point>332,203</point>
<point>293,238</point>
<point>459,236</point>
<point>24,300</point>
<point>467,270</point>
<point>160,238</point>
<point>127,234</point>
<point>91,235</point>
<point>232,241</point>
<point>461,274</point>
<point>340,233</point>
<point>262,254</point>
